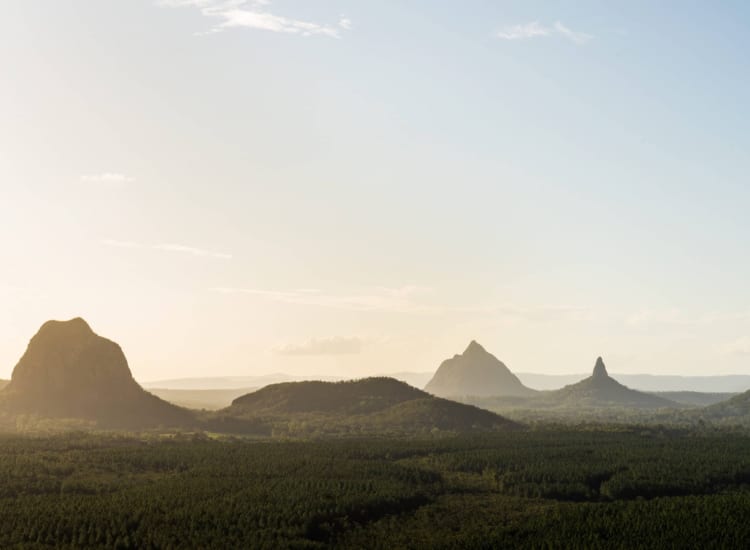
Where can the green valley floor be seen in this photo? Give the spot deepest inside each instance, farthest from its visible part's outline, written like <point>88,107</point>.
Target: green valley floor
<point>602,488</point>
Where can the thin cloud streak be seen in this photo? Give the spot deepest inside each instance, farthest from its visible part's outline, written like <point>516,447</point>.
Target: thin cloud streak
<point>18,291</point>
<point>535,29</point>
<point>677,317</point>
<point>337,345</point>
<point>390,300</point>
<point>525,31</point>
<point>113,179</point>
<point>255,15</point>
<point>122,244</point>
<point>405,300</point>
<point>168,247</point>
<point>574,36</point>
<point>739,347</point>
<point>547,313</point>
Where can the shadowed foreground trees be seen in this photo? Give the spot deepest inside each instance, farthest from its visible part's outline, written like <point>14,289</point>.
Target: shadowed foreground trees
<point>565,488</point>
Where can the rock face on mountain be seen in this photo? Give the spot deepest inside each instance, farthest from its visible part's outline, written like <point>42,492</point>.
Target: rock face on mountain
<point>600,371</point>
<point>68,371</point>
<point>476,372</point>
<point>601,390</point>
<point>370,405</point>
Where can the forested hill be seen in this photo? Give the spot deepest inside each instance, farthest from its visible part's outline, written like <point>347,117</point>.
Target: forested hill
<point>350,397</point>
<point>732,411</point>
<point>369,405</point>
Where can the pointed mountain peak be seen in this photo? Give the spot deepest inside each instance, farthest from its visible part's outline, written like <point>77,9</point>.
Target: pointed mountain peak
<point>599,369</point>
<point>473,348</point>
<point>476,372</point>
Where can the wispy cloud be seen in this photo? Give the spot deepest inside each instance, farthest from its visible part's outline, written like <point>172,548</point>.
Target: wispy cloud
<point>377,299</point>
<point>535,29</point>
<point>168,247</point>
<point>412,300</point>
<point>18,291</point>
<point>647,316</point>
<point>255,14</point>
<point>111,179</point>
<point>345,23</point>
<point>574,36</point>
<point>520,32</point>
<point>122,244</point>
<point>337,345</point>
<point>546,313</point>
<point>741,347</point>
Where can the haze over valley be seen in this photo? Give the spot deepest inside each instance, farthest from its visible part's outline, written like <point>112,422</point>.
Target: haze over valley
<point>70,373</point>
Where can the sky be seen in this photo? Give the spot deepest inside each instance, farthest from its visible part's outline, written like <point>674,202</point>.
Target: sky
<point>345,188</point>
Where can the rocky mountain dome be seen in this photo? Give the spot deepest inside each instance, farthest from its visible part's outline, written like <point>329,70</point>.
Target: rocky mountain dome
<point>68,371</point>
<point>476,372</point>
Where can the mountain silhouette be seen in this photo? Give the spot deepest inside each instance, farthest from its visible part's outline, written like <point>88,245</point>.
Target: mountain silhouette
<point>601,390</point>
<point>68,371</point>
<point>476,372</point>
<point>369,405</point>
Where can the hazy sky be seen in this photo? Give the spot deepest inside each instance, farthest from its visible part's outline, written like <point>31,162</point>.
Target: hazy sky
<point>352,187</point>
